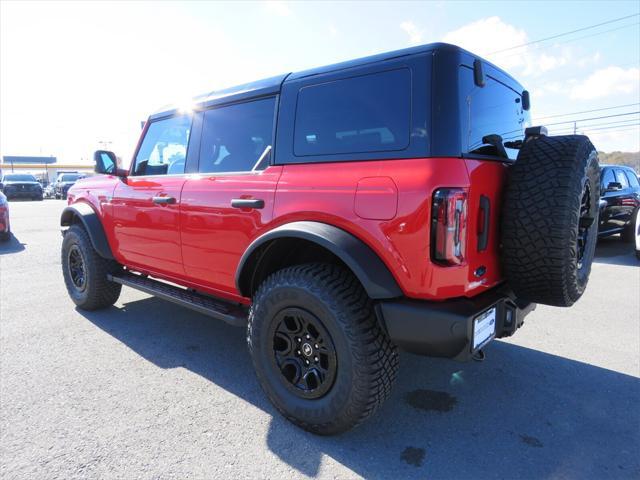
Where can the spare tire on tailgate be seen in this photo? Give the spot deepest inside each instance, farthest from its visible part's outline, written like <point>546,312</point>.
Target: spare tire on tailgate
<point>550,219</point>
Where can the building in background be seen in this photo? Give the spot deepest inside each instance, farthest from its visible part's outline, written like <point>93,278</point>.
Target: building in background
<point>45,169</point>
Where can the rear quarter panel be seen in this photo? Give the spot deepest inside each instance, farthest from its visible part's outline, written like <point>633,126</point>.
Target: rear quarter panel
<point>326,193</point>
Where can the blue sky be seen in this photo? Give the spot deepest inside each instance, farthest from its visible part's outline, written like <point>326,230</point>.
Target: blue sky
<point>74,74</point>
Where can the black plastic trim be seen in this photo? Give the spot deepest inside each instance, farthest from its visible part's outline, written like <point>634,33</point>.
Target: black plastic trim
<point>217,308</point>
<point>445,329</point>
<point>483,237</point>
<point>91,222</point>
<point>374,275</point>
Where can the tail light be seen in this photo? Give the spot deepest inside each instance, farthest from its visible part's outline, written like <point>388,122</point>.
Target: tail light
<point>449,226</point>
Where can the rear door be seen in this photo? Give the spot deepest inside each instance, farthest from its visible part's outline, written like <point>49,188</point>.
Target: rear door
<point>146,204</point>
<point>229,202</point>
<point>492,109</point>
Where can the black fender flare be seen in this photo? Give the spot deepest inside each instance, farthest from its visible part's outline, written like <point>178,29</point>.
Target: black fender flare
<point>366,265</point>
<point>92,224</point>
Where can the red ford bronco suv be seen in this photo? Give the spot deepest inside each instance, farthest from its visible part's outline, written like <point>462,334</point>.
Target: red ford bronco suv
<point>341,213</point>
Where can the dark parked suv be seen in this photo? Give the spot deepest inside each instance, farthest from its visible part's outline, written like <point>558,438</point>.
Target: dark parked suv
<point>620,201</point>
<point>21,185</point>
<point>64,182</point>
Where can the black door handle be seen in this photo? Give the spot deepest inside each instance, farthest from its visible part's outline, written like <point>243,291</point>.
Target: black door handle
<point>247,203</point>
<point>164,200</point>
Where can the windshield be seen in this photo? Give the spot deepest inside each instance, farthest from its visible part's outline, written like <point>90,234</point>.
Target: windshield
<point>70,177</point>
<point>16,177</point>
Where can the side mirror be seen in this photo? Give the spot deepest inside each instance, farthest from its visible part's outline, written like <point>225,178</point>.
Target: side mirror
<point>106,163</point>
<point>1,186</point>
<point>614,186</point>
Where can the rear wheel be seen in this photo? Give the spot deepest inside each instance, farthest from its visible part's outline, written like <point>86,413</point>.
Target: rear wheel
<point>550,219</point>
<point>85,272</point>
<point>317,348</point>
<point>628,235</point>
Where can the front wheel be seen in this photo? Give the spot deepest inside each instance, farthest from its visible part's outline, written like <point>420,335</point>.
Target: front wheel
<point>318,350</point>
<point>85,272</point>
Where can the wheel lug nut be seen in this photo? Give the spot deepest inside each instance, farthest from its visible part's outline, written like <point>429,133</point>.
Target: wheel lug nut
<point>306,362</point>
<point>298,352</point>
<point>316,345</point>
<point>315,359</point>
<point>308,336</point>
<point>298,339</point>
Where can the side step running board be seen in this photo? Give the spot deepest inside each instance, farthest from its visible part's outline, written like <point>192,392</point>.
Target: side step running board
<point>227,312</point>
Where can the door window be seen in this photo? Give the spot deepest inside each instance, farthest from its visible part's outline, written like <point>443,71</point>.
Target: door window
<point>237,138</point>
<point>164,148</point>
<point>622,178</point>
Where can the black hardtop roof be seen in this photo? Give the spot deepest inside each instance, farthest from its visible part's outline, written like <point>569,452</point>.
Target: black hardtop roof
<point>273,85</point>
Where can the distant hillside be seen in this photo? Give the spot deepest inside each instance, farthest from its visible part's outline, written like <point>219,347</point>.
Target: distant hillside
<point>631,159</point>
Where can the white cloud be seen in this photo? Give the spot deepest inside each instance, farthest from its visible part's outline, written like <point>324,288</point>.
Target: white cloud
<point>415,34</point>
<point>278,7</point>
<point>607,81</point>
<point>490,36</point>
<point>587,60</point>
<point>486,35</point>
<point>333,31</point>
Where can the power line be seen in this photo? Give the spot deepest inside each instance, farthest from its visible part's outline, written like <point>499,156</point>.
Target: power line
<point>605,123</point>
<point>542,47</point>
<point>628,127</point>
<point>600,132</point>
<point>593,118</point>
<point>588,111</point>
<point>624,123</point>
<point>566,33</point>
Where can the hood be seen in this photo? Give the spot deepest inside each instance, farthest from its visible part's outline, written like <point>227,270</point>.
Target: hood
<point>19,182</point>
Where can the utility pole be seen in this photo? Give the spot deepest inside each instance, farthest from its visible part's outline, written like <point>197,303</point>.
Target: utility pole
<point>574,128</point>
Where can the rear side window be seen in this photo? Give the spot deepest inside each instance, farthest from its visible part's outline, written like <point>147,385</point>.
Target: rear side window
<point>492,109</point>
<point>368,113</point>
<point>633,179</point>
<point>621,178</point>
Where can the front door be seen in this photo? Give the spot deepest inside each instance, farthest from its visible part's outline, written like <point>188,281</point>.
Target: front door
<point>146,204</point>
<point>230,201</point>
<point>620,200</point>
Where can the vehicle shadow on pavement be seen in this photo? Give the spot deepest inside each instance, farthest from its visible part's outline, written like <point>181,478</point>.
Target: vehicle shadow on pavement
<point>521,413</point>
<point>613,251</point>
<point>13,245</point>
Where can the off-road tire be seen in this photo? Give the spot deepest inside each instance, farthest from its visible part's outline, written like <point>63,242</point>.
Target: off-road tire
<point>543,209</point>
<point>98,292</point>
<point>367,361</point>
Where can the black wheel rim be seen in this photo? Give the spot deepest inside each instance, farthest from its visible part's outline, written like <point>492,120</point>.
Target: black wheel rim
<point>77,271</point>
<point>303,353</point>
<point>585,224</point>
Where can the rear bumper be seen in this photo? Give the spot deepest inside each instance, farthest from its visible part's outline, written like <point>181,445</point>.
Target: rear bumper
<point>445,329</point>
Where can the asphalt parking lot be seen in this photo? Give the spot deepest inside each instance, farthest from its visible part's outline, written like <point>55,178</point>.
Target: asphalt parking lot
<point>146,389</point>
